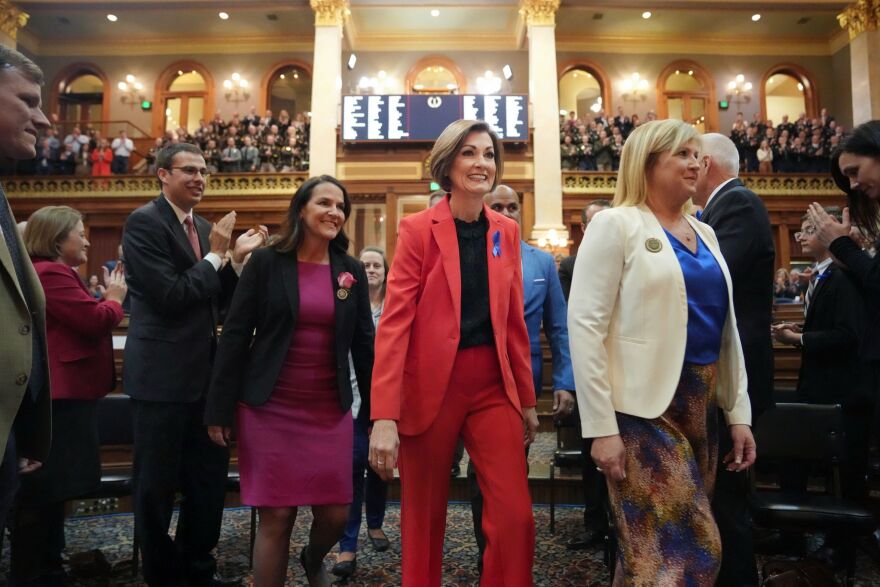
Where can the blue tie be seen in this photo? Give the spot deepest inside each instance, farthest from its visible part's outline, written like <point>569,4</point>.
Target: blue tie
<point>7,225</point>
<point>699,214</point>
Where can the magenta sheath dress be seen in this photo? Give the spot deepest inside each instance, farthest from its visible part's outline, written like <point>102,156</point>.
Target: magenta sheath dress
<point>296,449</point>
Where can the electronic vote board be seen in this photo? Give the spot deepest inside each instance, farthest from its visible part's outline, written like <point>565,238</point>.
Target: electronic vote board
<point>422,117</point>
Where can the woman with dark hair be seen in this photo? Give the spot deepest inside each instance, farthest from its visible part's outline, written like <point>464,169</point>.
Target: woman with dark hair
<point>80,352</point>
<point>282,373</point>
<point>369,490</point>
<point>855,166</point>
<point>454,360</point>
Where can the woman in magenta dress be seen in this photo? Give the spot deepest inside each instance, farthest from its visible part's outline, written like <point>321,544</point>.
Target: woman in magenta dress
<point>282,374</point>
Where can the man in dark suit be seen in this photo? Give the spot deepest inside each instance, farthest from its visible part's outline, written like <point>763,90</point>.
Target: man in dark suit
<point>595,488</point>
<point>742,225</point>
<point>566,266</point>
<point>179,280</point>
<point>25,405</point>
<point>831,371</point>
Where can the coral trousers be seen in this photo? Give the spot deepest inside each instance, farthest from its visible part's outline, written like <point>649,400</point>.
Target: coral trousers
<point>475,407</point>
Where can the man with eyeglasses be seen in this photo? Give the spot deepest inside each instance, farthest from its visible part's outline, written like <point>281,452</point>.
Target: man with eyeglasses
<point>179,282</point>
<point>25,406</point>
<point>742,226</point>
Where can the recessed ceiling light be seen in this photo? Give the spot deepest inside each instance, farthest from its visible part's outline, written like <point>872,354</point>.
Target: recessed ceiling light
<point>112,17</point>
<point>756,17</point>
<point>282,76</point>
<point>224,16</point>
<point>646,14</point>
<point>435,13</point>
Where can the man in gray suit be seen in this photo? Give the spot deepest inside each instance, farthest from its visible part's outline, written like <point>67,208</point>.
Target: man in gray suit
<point>24,373</point>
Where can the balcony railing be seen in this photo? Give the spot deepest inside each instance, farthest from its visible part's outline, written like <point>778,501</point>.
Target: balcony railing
<point>604,183</point>
<point>238,184</point>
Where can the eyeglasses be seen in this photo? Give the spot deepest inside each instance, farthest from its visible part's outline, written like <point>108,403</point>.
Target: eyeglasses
<point>193,171</point>
<point>809,231</point>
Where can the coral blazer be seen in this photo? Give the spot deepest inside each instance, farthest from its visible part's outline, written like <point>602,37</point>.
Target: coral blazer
<point>418,335</point>
<point>78,333</point>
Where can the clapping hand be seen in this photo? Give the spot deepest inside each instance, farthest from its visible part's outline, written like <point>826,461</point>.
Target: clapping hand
<point>248,242</point>
<point>828,229</point>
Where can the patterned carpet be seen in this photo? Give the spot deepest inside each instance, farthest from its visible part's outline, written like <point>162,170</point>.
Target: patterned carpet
<point>554,565</point>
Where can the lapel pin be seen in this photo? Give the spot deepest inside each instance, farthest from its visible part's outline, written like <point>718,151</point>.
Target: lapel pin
<point>496,244</point>
<point>653,245</point>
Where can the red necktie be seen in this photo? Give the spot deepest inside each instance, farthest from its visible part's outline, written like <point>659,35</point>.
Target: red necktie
<point>193,237</point>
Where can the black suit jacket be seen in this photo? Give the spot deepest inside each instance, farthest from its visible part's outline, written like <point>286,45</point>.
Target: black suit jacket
<point>262,318</point>
<point>740,221</point>
<point>566,270</point>
<point>175,306</point>
<point>865,271</point>
<point>831,370</point>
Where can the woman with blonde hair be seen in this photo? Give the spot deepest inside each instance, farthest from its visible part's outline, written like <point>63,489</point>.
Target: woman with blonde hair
<point>652,326</point>
<point>453,359</point>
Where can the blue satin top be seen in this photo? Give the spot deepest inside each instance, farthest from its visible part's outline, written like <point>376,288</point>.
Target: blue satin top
<point>707,301</point>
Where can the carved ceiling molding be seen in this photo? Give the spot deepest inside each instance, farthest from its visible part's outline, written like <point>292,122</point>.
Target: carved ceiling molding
<point>330,12</point>
<point>539,12</point>
<point>12,19</point>
<point>860,16</point>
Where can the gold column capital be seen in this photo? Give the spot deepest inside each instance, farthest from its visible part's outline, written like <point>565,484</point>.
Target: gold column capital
<point>860,16</point>
<point>539,12</point>
<point>12,19</point>
<point>330,12</point>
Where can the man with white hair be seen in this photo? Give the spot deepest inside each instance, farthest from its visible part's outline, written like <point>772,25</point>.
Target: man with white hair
<point>742,225</point>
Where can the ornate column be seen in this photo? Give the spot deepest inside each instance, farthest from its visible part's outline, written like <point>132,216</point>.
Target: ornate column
<point>326,84</point>
<point>862,20</point>
<point>540,18</point>
<point>12,19</point>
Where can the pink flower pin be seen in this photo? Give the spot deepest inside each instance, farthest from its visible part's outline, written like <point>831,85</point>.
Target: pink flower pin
<point>345,281</point>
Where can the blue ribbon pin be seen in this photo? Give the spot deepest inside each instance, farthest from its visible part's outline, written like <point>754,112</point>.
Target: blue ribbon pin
<point>496,243</point>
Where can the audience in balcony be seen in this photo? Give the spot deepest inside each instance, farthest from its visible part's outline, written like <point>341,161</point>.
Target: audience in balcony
<point>122,149</point>
<point>594,142</point>
<point>102,159</point>
<point>802,146</point>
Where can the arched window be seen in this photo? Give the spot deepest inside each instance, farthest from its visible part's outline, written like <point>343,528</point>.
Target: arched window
<point>288,86</point>
<point>584,89</point>
<point>788,89</point>
<point>184,95</point>
<point>435,75</point>
<point>80,96</point>
<point>686,92</point>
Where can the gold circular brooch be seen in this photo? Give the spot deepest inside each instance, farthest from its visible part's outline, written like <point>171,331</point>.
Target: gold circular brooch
<point>653,245</point>
<point>342,294</point>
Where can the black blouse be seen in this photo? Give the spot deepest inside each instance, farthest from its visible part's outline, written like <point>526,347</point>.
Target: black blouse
<point>476,320</point>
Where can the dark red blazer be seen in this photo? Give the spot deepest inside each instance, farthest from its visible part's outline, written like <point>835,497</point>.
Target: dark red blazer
<point>78,333</point>
<point>419,331</point>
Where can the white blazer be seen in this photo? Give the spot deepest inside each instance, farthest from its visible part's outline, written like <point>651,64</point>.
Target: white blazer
<point>627,323</point>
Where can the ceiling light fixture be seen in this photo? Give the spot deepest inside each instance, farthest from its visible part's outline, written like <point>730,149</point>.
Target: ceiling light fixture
<point>223,16</point>
<point>646,14</point>
<point>756,17</point>
<point>435,13</point>
<point>507,71</point>
<point>352,61</point>
<point>112,17</point>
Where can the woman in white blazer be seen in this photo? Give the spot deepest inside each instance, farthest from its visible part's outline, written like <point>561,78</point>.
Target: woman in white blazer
<point>655,351</point>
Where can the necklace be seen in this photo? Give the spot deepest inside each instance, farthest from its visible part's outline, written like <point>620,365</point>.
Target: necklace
<point>685,235</point>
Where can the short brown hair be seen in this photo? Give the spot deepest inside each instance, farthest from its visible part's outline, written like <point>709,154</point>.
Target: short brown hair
<point>12,59</point>
<point>47,228</point>
<point>448,144</point>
